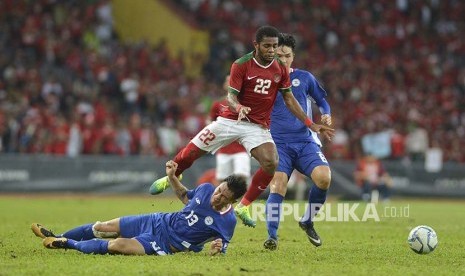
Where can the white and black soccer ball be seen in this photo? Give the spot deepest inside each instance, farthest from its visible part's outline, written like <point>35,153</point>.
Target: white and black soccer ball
<point>422,239</point>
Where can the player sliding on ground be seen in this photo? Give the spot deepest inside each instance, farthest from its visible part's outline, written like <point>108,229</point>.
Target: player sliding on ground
<point>255,80</point>
<point>207,216</point>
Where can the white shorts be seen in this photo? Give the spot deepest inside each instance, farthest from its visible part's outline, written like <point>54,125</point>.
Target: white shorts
<point>223,131</point>
<point>227,164</point>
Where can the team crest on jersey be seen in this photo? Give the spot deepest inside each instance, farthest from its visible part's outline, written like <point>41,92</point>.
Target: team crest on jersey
<point>208,220</point>
<point>277,78</point>
<point>295,82</point>
<point>197,200</point>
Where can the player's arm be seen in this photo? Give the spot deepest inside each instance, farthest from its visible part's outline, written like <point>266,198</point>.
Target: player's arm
<point>179,189</point>
<point>319,95</point>
<point>293,105</point>
<point>236,82</point>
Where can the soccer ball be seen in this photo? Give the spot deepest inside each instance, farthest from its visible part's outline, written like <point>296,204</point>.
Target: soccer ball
<point>422,239</point>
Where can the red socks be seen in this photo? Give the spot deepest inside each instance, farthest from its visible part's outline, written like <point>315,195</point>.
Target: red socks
<point>260,181</point>
<point>186,157</point>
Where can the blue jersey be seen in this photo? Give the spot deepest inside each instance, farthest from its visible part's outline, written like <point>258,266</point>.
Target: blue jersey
<point>198,222</point>
<point>285,127</point>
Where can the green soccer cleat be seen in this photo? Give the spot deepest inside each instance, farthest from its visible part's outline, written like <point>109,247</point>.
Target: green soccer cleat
<point>160,185</point>
<point>244,214</point>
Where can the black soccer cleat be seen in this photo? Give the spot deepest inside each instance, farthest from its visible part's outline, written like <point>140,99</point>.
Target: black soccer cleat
<point>41,231</point>
<point>312,235</point>
<point>271,244</point>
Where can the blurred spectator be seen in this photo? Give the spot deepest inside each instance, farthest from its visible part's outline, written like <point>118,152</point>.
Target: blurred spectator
<point>370,176</point>
<point>391,64</point>
<point>417,142</point>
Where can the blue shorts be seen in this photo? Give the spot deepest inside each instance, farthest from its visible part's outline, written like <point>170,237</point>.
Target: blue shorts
<point>146,229</point>
<point>304,157</point>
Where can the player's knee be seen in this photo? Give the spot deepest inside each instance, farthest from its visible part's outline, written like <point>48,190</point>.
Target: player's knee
<point>322,177</point>
<point>117,246</point>
<point>278,187</point>
<point>324,182</point>
<point>269,165</point>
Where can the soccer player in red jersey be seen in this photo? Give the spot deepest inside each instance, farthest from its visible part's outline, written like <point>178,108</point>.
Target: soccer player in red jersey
<point>255,80</point>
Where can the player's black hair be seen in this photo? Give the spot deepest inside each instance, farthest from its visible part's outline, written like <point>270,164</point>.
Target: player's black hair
<point>287,40</point>
<point>237,184</point>
<point>266,31</point>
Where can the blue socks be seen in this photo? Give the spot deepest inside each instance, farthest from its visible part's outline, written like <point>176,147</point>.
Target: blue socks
<point>95,246</point>
<point>273,214</point>
<point>80,233</point>
<point>316,199</point>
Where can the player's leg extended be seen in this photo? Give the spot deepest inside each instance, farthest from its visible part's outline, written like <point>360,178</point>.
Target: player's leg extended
<point>97,246</point>
<point>209,139</point>
<point>321,176</point>
<point>185,158</point>
<point>267,156</point>
<point>278,188</point>
<point>313,163</point>
<point>107,229</point>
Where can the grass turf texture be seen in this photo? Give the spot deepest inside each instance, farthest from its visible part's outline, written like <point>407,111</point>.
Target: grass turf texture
<point>349,248</point>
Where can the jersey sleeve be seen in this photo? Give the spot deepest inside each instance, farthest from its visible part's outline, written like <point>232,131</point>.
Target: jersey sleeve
<point>225,246</point>
<point>236,78</point>
<point>202,188</point>
<point>285,85</point>
<point>319,95</point>
<point>190,193</point>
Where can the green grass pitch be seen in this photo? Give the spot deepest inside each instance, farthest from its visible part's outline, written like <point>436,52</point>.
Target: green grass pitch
<point>349,247</point>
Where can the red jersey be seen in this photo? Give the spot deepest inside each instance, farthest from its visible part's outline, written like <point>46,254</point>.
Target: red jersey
<point>216,109</point>
<point>256,86</point>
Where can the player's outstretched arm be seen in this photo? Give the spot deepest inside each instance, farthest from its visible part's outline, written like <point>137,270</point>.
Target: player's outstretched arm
<point>178,188</point>
<point>293,105</point>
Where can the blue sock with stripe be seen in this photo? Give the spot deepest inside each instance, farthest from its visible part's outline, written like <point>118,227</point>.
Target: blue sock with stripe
<point>273,214</point>
<point>316,199</point>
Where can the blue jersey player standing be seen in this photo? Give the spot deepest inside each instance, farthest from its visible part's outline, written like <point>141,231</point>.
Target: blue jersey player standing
<point>298,147</point>
<point>207,217</point>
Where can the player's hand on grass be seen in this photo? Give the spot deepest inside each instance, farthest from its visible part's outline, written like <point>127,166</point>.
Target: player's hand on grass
<point>327,132</point>
<point>171,167</point>
<point>326,119</point>
<point>215,247</point>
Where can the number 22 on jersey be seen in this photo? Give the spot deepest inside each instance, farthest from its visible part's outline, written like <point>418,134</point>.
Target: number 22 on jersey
<point>262,86</point>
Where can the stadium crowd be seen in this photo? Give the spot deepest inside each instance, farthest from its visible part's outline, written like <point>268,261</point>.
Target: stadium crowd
<point>69,86</point>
